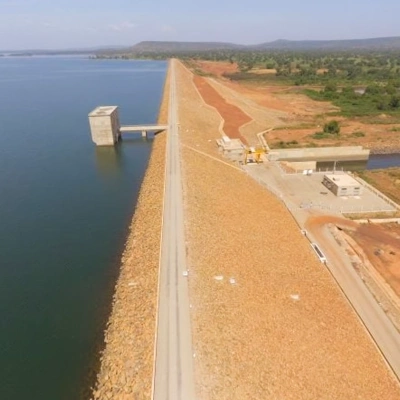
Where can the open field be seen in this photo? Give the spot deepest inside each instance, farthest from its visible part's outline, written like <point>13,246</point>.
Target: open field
<point>298,117</point>
<point>268,321</point>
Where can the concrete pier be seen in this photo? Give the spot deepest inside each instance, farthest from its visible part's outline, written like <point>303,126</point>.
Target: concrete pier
<point>106,129</point>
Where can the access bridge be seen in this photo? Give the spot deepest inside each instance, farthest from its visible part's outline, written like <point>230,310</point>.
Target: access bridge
<point>106,129</point>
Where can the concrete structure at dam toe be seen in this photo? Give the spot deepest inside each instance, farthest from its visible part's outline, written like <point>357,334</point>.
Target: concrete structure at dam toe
<point>348,153</point>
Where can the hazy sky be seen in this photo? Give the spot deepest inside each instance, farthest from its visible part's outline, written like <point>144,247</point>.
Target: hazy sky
<point>28,24</point>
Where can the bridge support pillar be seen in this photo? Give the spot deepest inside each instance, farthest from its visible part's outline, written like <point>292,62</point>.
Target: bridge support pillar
<point>144,134</point>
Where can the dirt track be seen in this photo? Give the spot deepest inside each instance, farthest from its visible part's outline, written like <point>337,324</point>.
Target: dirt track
<point>268,320</point>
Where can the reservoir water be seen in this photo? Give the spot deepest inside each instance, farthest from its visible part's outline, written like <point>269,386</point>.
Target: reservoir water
<point>65,207</point>
<point>375,161</point>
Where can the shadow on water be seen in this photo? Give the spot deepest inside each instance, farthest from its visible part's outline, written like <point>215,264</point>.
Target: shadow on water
<point>341,165</point>
<point>109,160</point>
<point>375,161</point>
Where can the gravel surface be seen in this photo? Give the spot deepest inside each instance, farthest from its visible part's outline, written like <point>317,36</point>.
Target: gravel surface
<point>268,320</point>
<point>127,361</point>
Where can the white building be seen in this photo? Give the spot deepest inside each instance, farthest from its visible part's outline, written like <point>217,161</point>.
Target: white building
<point>342,184</point>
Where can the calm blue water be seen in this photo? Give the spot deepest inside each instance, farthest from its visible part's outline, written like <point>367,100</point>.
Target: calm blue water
<point>377,161</point>
<point>65,206</point>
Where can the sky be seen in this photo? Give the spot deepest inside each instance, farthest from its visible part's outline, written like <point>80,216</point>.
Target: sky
<point>62,24</point>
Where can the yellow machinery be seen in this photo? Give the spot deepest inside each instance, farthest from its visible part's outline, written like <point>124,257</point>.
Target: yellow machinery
<point>253,155</point>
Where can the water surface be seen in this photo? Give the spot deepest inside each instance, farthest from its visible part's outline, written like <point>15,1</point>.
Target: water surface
<point>65,206</point>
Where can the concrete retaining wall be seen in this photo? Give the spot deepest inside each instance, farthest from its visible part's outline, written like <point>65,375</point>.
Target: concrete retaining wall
<point>351,153</point>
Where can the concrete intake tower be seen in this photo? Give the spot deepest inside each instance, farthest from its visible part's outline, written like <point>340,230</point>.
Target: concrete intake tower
<point>106,129</point>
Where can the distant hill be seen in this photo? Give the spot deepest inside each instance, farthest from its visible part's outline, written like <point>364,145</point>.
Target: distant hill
<point>387,43</point>
<point>178,47</point>
<point>168,48</point>
<point>51,52</point>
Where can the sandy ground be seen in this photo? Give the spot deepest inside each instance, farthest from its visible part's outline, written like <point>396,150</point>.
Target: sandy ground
<point>268,320</point>
<point>303,116</point>
<point>127,361</point>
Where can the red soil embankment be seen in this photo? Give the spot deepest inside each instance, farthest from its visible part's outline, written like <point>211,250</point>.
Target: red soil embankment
<point>233,116</point>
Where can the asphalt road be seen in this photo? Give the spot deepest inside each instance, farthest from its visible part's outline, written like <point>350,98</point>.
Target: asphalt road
<point>173,378</point>
<point>374,318</point>
<point>377,323</point>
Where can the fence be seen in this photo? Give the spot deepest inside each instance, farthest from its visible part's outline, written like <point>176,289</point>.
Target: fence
<point>343,209</point>
<point>377,192</point>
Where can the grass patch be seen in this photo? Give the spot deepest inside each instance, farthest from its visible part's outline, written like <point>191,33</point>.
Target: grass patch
<point>284,145</point>
<point>385,180</point>
<point>302,125</point>
<point>358,134</point>
<point>321,135</point>
<point>378,215</point>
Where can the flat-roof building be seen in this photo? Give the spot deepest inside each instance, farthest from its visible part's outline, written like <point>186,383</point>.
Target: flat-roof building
<point>342,184</point>
<point>104,125</point>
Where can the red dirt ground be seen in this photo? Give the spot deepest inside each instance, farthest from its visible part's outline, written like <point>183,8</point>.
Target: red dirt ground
<point>233,116</point>
<point>379,242</point>
<point>217,68</point>
<point>301,110</point>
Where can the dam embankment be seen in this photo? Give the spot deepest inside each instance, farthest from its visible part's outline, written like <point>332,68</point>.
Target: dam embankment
<point>128,357</point>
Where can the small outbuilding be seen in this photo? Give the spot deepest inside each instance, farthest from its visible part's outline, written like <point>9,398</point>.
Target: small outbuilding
<point>342,184</point>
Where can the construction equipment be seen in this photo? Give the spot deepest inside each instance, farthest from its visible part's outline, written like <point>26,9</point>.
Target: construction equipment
<point>253,155</point>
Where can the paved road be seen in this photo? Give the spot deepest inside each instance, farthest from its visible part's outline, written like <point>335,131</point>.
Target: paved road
<point>381,329</point>
<point>173,378</point>
<point>385,335</point>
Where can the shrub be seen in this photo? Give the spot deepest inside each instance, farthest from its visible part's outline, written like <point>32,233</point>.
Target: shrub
<point>394,102</point>
<point>332,127</point>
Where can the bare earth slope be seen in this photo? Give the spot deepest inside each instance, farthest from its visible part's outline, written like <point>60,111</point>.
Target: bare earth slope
<point>276,326</point>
